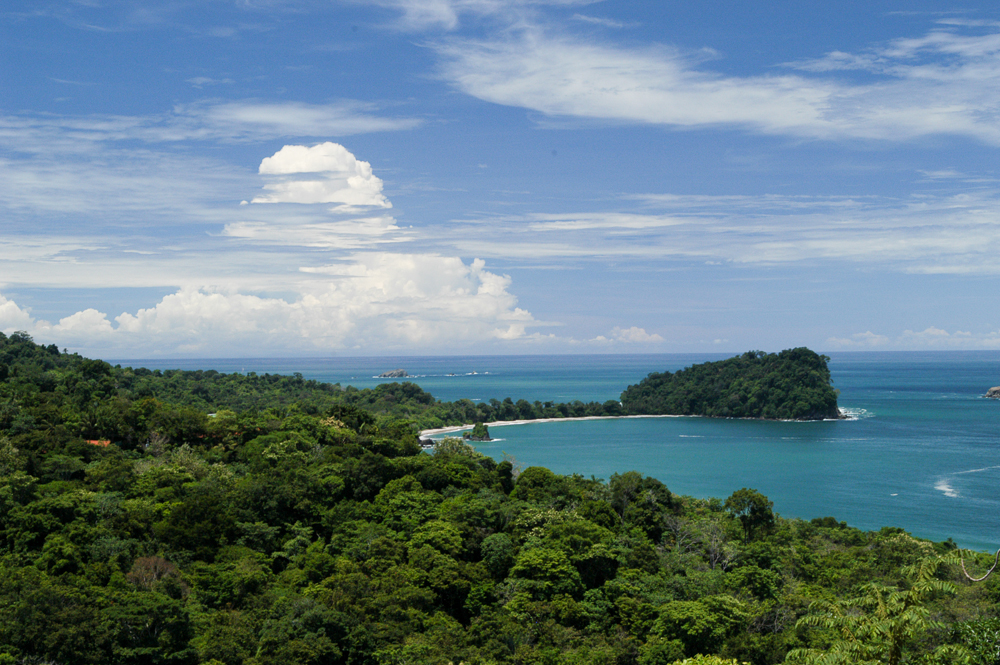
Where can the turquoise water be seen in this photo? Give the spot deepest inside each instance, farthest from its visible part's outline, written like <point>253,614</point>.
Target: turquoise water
<point>922,452</point>
<point>553,378</point>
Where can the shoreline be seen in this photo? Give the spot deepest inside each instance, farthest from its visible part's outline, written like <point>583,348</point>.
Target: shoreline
<point>500,423</point>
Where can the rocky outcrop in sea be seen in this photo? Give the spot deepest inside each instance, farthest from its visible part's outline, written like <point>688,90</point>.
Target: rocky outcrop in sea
<point>993,393</point>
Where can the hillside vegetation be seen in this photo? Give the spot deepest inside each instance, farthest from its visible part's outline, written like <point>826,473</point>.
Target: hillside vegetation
<point>301,528</point>
<point>791,385</point>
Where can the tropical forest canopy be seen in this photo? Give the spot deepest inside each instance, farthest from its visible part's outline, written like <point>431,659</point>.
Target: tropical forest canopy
<point>791,385</point>
<point>301,523</point>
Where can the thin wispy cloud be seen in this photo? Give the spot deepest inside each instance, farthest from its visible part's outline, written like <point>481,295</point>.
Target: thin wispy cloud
<point>357,233</point>
<point>942,234</point>
<point>564,75</point>
<point>201,121</point>
<point>205,81</point>
<point>420,15</point>
<point>598,20</point>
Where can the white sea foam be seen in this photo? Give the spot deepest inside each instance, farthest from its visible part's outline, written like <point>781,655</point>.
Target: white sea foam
<point>943,485</point>
<point>985,468</point>
<point>854,413</point>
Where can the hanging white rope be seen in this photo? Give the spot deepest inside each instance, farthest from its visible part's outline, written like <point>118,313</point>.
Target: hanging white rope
<point>988,572</point>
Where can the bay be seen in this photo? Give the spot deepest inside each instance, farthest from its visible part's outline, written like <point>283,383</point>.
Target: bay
<point>921,452</point>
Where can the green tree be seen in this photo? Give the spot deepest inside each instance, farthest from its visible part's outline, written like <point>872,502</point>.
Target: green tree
<point>545,573</point>
<point>878,626</point>
<point>752,509</point>
<point>702,625</point>
<point>498,554</point>
<point>982,637</point>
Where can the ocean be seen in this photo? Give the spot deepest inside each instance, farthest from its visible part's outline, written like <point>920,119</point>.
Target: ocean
<point>921,450</point>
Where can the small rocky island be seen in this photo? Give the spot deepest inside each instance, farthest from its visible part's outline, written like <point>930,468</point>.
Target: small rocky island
<point>791,385</point>
<point>993,393</point>
<point>479,433</point>
<point>394,374</point>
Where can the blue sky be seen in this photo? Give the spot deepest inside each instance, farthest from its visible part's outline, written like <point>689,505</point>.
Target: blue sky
<point>300,178</point>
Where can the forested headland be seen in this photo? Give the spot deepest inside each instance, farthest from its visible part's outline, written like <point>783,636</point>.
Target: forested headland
<point>301,523</point>
<point>791,385</point>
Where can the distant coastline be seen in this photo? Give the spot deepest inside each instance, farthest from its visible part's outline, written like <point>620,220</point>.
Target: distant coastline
<point>500,423</point>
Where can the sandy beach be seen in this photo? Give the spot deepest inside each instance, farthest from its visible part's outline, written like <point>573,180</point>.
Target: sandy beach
<point>500,423</point>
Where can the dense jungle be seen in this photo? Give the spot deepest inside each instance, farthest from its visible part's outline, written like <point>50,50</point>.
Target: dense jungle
<point>197,517</point>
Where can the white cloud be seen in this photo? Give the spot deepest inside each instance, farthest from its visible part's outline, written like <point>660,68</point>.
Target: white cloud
<point>202,81</point>
<point>444,14</point>
<point>568,76</point>
<point>342,234</point>
<point>372,303</point>
<point>965,56</point>
<point>867,339</point>
<point>245,120</point>
<point>146,188</point>
<point>13,317</point>
<point>633,335</point>
<point>609,221</point>
<point>256,120</point>
<point>955,234</point>
<point>597,20</point>
<point>325,157</point>
<point>929,338</point>
<point>423,14</point>
<point>86,322</point>
<point>70,177</point>
<point>345,180</point>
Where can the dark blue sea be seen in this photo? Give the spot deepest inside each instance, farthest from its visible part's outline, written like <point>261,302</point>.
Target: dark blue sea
<point>921,450</point>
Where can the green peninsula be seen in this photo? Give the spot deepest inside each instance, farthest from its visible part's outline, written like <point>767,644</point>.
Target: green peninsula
<point>791,385</point>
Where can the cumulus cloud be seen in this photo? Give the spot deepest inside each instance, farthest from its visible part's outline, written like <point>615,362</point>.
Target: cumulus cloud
<point>13,317</point>
<point>86,322</point>
<point>941,84</point>
<point>342,178</point>
<point>372,303</point>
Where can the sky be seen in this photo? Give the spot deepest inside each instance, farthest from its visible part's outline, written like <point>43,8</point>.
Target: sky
<point>309,178</point>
